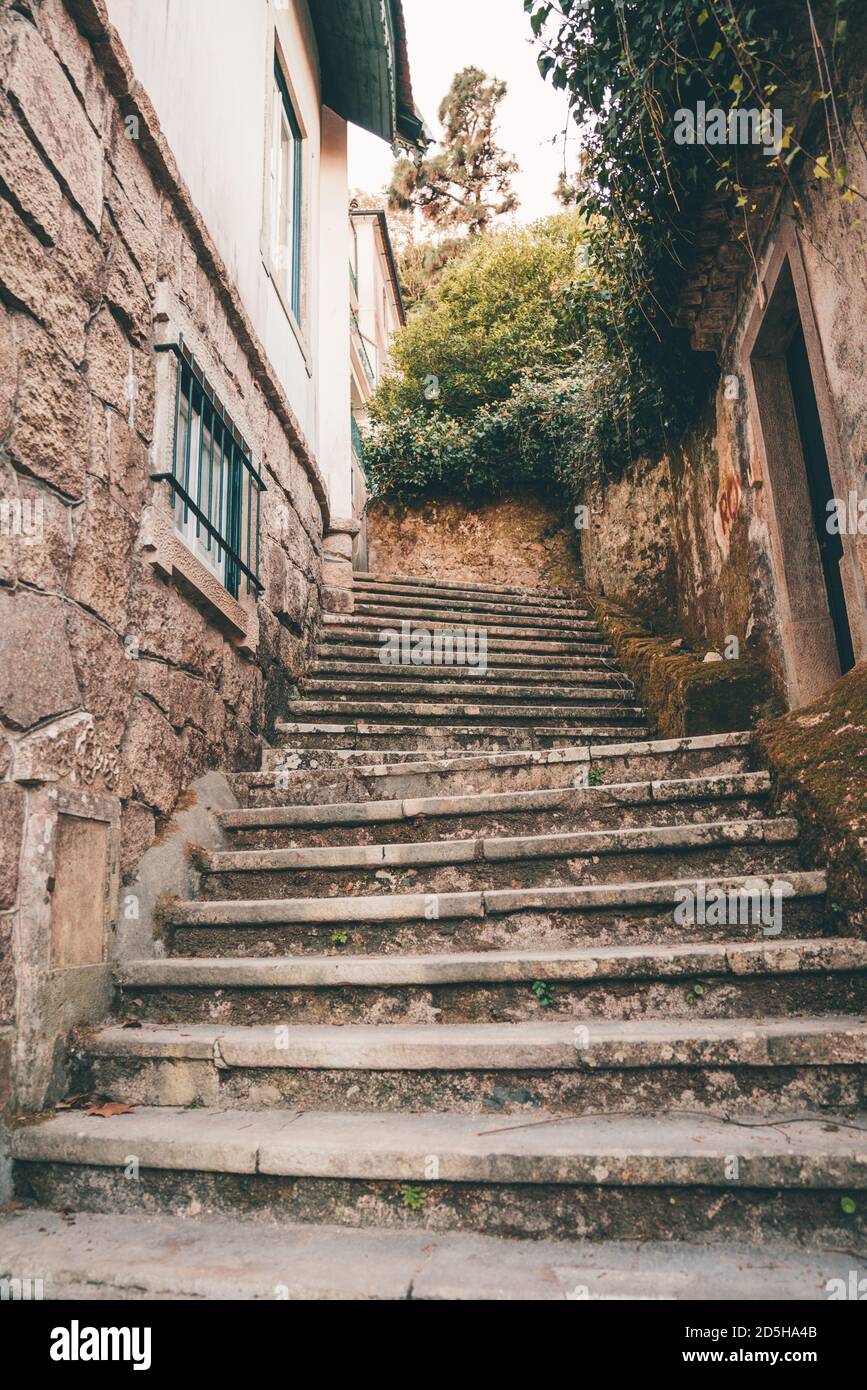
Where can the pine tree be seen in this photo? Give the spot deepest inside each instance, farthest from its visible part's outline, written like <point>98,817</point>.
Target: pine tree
<point>468,183</point>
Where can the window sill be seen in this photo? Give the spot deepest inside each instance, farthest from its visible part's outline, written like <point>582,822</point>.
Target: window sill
<point>165,550</point>
<point>297,330</point>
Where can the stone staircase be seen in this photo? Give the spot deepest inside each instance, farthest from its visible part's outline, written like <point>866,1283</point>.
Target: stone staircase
<point>433,1026</point>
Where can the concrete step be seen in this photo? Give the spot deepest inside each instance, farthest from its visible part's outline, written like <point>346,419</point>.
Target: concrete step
<point>129,1258</point>
<point>456,709</point>
<point>398,684</point>
<point>413,606</point>
<point>590,799</point>
<point>600,1177</point>
<point>461,593</point>
<point>584,671</point>
<point>342,734</point>
<point>503,620</point>
<point>727,980</point>
<point>335,775</point>
<point>421,906</point>
<point>573,656</point>
<point>712,850</point>
<point>357,626</point>
<point>415,581</point>
<point>763,1066</point>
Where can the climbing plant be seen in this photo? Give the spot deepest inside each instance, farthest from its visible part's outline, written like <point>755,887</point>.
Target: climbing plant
<point>629,67</point>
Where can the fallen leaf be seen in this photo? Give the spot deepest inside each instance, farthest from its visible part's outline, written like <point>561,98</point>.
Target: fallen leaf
<point>111,1107</point>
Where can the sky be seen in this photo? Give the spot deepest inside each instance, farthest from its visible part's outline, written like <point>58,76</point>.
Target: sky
<point>447,35</point>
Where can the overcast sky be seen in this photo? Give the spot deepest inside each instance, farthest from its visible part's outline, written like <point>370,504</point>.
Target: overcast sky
<point>447,35</point>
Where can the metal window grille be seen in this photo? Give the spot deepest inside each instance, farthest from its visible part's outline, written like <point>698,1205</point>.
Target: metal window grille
<point>216,488</point>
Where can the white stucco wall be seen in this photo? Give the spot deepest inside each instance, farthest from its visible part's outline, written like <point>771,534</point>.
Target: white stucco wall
<point>207,66</point>
<point>333,355</point>
<point>378,314</point>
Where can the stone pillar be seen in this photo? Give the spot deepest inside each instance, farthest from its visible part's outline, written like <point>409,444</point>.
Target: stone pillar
<point>337,594</point>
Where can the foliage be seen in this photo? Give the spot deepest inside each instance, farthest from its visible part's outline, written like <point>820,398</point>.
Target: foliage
<point>561,430</point>
<point>514,372</point>
<point>421,260</point>
<point>630,65</point>
<point>413,1198</point>
<point>504,305</point>
<point>468,182</point>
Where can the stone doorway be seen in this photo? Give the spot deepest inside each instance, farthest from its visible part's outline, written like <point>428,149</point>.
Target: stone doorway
<point>819,591</point>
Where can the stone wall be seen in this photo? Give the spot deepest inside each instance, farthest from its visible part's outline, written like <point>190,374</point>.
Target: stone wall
<point>123,676</point>
<point>511,541</point>
<point>654,543</point>
<point>694,534</point>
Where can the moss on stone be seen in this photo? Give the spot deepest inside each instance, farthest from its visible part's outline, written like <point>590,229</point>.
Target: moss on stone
<point>818,757</point>
<point>682,694</point>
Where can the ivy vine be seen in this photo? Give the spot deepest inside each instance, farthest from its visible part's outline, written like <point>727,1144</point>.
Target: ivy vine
<point>629,66</point>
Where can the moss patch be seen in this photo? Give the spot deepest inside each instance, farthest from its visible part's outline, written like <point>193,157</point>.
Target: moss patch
<point>684,695</point>
<point>818,757</point>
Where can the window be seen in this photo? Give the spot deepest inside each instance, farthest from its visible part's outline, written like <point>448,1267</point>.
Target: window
<point>215,487</point>
<point>286,194</point>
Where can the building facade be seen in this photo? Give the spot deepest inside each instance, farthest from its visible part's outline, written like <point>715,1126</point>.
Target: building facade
<point>175,435</point>
<point>376,313</point>
<point>756,528</point>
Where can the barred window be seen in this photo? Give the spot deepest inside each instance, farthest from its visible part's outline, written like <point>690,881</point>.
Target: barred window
<point>215,485</point>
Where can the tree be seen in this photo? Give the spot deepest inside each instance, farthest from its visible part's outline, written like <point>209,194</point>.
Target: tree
<point>503,306</point>
<point>421,261</point>
<point>468,183</point>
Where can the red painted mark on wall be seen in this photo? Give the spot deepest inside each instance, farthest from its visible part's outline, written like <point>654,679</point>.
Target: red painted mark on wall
<point>728,502</point>
<point>727,506</point>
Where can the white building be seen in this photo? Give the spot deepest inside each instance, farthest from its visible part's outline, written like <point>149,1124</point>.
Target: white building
<point>377,313</point>
<point>254,97</point>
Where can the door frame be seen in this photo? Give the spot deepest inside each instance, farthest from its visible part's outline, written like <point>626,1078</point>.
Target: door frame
<point>808,641</point>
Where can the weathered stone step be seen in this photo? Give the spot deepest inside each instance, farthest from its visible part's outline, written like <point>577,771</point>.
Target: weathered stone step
<point>397,684</point>
<point>559,928</point>
<point>332,775</point>
<point>727,980</point>
<point>721,754</point>
<point>413,581</point>
<point>538,917</point>
<point>737,1066</point>
<point>582,672</point>
<point>712,850</point>
<point>601,1150</point>
<point>570,655</point>
<point>461,592</point>
<point>459,599</point>
<point>477,616</point>
<point>493,850</point>
<point>146,1257</point>
<point>548,630</point>
<point>421,906</point>
<point>366,643</point>
<point>409,710</point>
<point>351,735</point>
<point>589,799</point>
<point>573,817</point>
<point>687,960</point>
